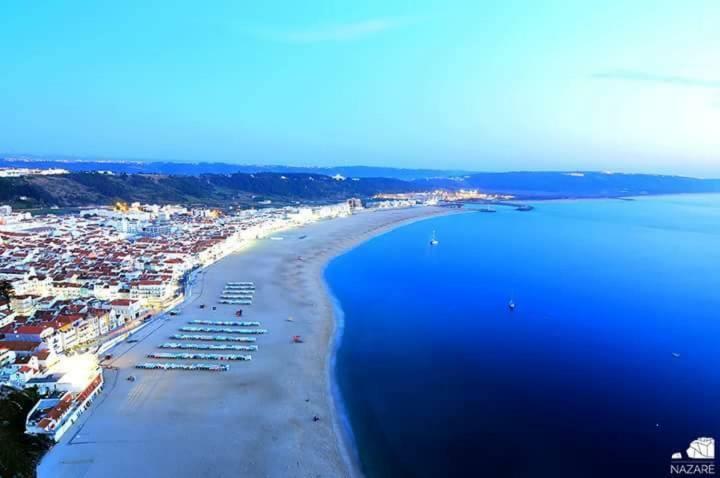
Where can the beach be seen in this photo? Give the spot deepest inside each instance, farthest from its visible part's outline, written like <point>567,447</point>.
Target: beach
<point>257,419</point>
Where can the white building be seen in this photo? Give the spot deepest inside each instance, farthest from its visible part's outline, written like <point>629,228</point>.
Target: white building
<point>124,310</point>
<point>73,393</point>
<point>7,357</point>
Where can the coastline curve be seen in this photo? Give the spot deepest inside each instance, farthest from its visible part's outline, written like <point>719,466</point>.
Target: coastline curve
<point>340,419</point>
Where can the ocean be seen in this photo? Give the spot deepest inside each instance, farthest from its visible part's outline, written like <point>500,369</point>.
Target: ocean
<point>608,365</point>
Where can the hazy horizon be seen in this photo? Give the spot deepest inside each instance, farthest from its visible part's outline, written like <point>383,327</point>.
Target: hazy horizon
<point>499,86</point>
<point>59,158</point>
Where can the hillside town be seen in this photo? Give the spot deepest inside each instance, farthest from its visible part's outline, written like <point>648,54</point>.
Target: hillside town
<point>71,286</point>
<point>21,172</point>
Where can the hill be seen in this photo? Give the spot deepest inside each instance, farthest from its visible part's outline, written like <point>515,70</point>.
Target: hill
<point>82,189</point>
<point>195,169</point>
<point>93,188</point>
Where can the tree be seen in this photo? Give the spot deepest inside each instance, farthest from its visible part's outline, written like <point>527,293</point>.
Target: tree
<point>6,290</point>
<point>19,453</point>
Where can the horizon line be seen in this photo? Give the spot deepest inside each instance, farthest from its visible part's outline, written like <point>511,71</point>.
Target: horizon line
<point>32,157</point>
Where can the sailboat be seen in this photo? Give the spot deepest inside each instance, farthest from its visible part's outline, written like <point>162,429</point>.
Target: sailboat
<point>433,240</point>
<point>511,305</point>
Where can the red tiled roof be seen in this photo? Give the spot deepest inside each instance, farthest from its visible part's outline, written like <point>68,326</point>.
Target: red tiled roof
<point>121,302</point>
<point>56,412</point>
<point>20,345</point>
<point>31,329</point>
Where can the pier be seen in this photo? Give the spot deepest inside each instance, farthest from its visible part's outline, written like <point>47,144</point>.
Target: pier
<point>518,206</point>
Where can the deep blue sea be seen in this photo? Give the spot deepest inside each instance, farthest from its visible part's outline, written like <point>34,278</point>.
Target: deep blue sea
<point>440,378</point>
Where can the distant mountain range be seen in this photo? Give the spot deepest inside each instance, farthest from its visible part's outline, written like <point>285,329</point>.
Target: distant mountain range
<point>194,169</point>
<point>83,187</point>
<point>548,184</point>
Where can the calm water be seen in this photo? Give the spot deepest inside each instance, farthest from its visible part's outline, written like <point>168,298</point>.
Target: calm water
<point>440,379</point>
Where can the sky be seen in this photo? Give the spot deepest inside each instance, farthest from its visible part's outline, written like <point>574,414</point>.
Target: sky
<point>622,85</point>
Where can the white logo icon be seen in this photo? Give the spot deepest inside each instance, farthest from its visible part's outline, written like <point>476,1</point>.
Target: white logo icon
<point>701,449</point>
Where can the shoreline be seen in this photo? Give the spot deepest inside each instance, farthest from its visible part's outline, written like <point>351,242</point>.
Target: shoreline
<point>341,421</point>
<point>257,418</point>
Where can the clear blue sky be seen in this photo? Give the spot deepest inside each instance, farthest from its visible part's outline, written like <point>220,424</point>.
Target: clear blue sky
<point>628,85</point>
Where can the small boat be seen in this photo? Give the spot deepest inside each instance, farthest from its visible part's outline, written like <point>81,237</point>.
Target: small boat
<point>676,354</point>
<point>511,305</point>
<point>433,240</point>
<point>487,209</point>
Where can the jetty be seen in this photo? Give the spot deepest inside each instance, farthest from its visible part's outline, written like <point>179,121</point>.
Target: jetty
<point>518,206</point>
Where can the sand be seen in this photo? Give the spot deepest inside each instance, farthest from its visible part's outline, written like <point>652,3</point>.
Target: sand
<point>255,420</point>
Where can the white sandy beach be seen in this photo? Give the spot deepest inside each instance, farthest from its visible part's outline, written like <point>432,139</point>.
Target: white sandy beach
<point>255,420</point>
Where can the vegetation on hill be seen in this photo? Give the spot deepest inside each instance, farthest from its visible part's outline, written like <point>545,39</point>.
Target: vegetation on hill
<point>93,188</point>
<point>19,453</point>
<point>82,189</point>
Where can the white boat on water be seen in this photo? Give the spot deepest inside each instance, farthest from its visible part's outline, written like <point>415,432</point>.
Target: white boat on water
<point>433,240</point>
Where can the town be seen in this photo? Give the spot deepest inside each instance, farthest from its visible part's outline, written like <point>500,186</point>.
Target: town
<point>73,286</point>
